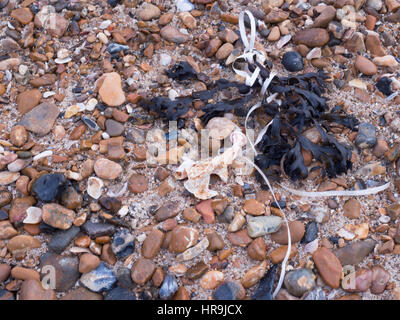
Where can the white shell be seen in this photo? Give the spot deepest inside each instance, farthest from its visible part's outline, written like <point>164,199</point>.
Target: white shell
<point>62,61</point>
<point>43,154</point>
<point>94,188</point>
<point>33,215</point>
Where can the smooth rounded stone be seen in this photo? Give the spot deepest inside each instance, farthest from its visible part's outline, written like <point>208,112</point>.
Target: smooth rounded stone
<point>18,136</point>
<point>152,244</point>
<point>71,199</point>
<point>254,207</point>
<point>224,51</point>
<point>18,165</point>
<point>365,66</point>
<point>5,198</point>
<point>229,290</point>
<point>172,34</point>
<point>107,169</point>
<point>184,5</point>
<point>278,255</point>
<point>182,238</point>
<point>293,61</point>
<point>95,230</point>
<point>22,15</point>
<point>119,293</point>
<point>298,282</point>
<point>167,211</point>
<point>240,238</point>
<point>138,183</point>
<point>62,238</point>
<point>206,210</point>
<point>254,275</point>
<point>326,16</point>
<point>19,245</point>
<point>7,177</point>
<point>57,216</point>
<point>5,270</point>
<point>262,225</point>
<point>111,92</point>
<point>375,4</point>
<point>7,46</point>
<point>82,293</point>
<point>111,204</point>
<point>95,187</point>
<point>366,137</point>
<point>211,279</point>
<point>124,278</point>
<point>40,120</point>
<point>28,100</point>
<point>33,290</point>
<point>33,215</point>
<point>220,128</point>
<point>329,266</point>
<point>66,268</point>
<point>7,230</point>
<point>142,271</point>
<point>352,209</point>
<point>88,262</point>
<point>257,250</point>
<point>317,294</point>
<point>114,128</point>
<point>194,251</point>
<point>168,288</point>
<point>18,208</point>
<point>123,243</point>
<point>9,64</point>
<point>314,37</point>
<point>355,252</point>
<point>197,271</point>
<point>148,11</point>
<point>100,279</point>
<point>380,278</point>
<point>311,232</point>
<point>216,242</point>
<point>296,233</point>
<point>49,187</point>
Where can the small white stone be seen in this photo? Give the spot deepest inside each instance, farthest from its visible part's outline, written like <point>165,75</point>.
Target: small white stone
<point>62,61</point>
<point>105,24</point>
<point>129,108</point>
<point>94,147</point>
<point>141,237</point>
<point>91,104</point>
<point>102,37</point>
<point>33,215</point>
<point>165,59</point>
<point>48,94</point>
<point>384,219</point>
<point>74,175</point>
<point>95,187</point>
<point>172,94</point>
<point>22,69</point>
<point>184,5</point>
<point>123,211</point>
<point>105,135</point>
<point>62,54</point>
<point>43,154</point>
<point>346,234</point>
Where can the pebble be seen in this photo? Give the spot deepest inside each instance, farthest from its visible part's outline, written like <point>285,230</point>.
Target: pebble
<point>168,288</point>
<point>220,128</point>
<point>254,207</point>
<point>138,183</point>
<point>152,244</point>
<point>40,119</point>
<point>88,262</point>
<point>184,5</point>
<point>58,216</point>
<point>95,230</point>
<point>211,279</point>
<point>240,238</point>
<point>82,293</point>
<point>326,16</point>
<point>362,280</point>
<point>311,232</point>
<point>194,251</point>
<point>182,238</point>
<point>292,61</point>
<point>62,238</point>
<point>18,136</point>
<point>7,177</point>
<point>33,215</point>
<point>33,290</point>
<point>299,281</point>
<point>254,275</point>
<point>316,294</point>
<point>352,209</point>
<point>107,169</point>
<point>329,266</point>
<point>365,66</point>
<point>114,128</point>
<point>380,278</point>
<point>355,252</point>
<point>262,225</point>
<point>5,270</point>
<point>100,279</point>
<point>95,187</point>
<point>257,250</point>
<point>123,244</point>
<point>7,231</point>
<point>5,198</point>
<point>67,270</point>
<point>20,244</point>
<point>119,294</point>
<point>224,51</point>
<point>229,290</point>
<point>366,136</point>
<point>172,34</point>
<point>22,15</point>
<point>277,255</point>
<point>206,210</point>
<point>142,271</point>
<point>297,230</point>
<point>314,37</point>
<point>148,11</point>
<point>265,286</point>
<point>111,92</point>
<point>167,211</point>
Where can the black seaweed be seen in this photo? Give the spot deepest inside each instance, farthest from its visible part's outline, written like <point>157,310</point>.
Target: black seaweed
<point>182,71</point>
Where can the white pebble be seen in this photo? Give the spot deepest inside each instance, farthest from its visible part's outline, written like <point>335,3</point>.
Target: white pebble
<point>48,94</point>
<point>384,219</point>
<point>105,135</point>
<point>91,104</point>
<point>105,24</point>
<point>33,215</point>
<point>95,187</point>
<point>123,211</point>
<point>172,94</point>
<point>23,69</point>
<point>62,54</point>
<point>165,59</point>
<point>102,37</point>
<point>141,237</point>
<point>62,61</point>
<point>43,154</point>
<point>184,5</point>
